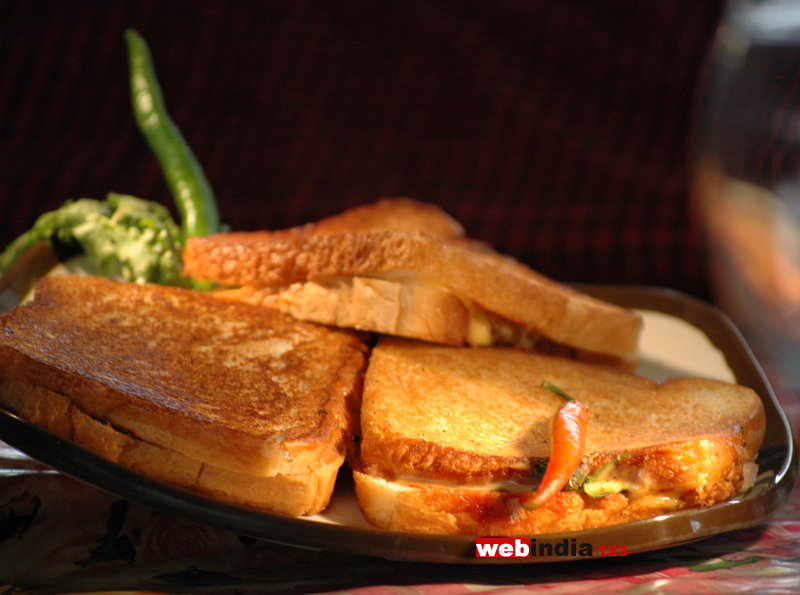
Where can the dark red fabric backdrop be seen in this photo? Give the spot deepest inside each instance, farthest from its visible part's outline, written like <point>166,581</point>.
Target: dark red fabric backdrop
<point>557,131</point>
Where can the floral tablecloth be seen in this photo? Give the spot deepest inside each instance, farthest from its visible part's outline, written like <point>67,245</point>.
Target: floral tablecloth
<point>59,535</point>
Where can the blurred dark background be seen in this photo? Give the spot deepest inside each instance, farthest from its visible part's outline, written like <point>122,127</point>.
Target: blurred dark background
<point>558,131</point>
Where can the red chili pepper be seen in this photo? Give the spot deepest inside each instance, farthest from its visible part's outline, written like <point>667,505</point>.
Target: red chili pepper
<point>568,441</point>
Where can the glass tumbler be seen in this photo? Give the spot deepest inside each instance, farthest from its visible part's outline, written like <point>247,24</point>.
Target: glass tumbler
<point>747,177</point>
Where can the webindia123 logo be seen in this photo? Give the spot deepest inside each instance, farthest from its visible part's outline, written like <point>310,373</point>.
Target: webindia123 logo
<point>517,547</point>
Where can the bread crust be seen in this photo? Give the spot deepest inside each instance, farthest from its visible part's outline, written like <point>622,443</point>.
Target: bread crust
<point>241,388</point>
<point>306,492</point>
<point>483,278</point>
<point>397,214</point>
<point>473,415</point>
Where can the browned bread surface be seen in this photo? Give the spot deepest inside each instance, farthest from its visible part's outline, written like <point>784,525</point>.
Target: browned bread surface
<point>440,424</point>
<point>236,386</point>
<point>485,279</point>
<point>397,214</point>
<point>472,415</point>
<point>306,491</point>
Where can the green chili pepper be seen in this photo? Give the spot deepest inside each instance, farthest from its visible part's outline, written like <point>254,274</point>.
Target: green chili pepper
<point>594,491</point>
<point>192,192</point>
<point>552,387</point>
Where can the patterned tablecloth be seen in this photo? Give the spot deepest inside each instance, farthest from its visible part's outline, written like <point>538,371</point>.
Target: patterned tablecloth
<point>60,535</point>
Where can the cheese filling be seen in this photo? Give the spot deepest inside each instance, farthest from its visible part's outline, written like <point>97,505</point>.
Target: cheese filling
<point>636,483</point>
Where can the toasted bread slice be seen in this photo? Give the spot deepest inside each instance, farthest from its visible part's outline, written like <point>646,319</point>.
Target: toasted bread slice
<point>454,290</point>
<point>450,436</point>
<point>392,214</point>
<point>387,214</point>
<point>217,395</point>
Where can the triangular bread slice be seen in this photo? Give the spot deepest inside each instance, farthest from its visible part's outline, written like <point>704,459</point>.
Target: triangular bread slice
<point>218,396</point>
<point>452,438</point>
<point>436,286</point>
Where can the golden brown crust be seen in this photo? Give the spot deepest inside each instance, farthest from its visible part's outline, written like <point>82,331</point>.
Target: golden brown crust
<point>417,245</point>
<point>428,508</point>
<point>491,282</point>
<point>398,214</point>
<point>305,493</point>
<point>234,385</point>
<point>475,415</point>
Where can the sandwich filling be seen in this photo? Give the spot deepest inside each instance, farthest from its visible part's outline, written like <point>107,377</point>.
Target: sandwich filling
<point>673,479</point>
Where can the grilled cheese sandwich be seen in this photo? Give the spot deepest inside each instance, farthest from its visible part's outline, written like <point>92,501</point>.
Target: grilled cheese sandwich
<point>453,438</point>
<point>214,395</point>
<point>407,281</point>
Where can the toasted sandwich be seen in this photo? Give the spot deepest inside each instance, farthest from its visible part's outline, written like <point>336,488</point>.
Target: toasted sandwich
<point>387,214</point>
<point>406,269</point>
<point>455,440</point>
<point>231,400</point>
